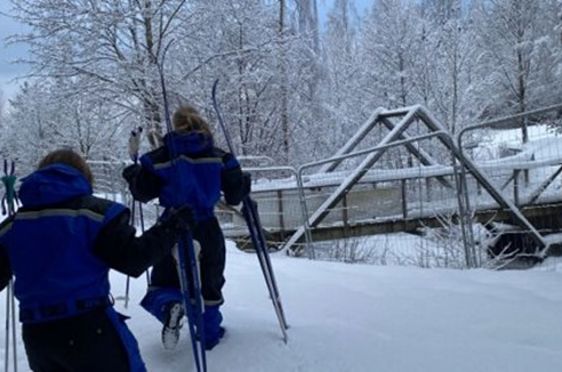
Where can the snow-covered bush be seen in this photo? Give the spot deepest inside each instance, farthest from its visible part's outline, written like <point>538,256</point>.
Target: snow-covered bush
<point>352,250</point>
<point>446,247</point>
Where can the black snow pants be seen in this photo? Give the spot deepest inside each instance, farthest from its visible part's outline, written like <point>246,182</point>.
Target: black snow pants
<point>212,262</point>
<point>85,343</point>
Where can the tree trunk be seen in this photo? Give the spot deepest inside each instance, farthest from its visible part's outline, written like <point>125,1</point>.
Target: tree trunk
<point>152,110</point>
<point>283,85</point>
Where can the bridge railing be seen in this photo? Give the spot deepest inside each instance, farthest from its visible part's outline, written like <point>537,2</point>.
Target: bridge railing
<point>330,206</point>
<point>528,172</point>
<point>530,166</point>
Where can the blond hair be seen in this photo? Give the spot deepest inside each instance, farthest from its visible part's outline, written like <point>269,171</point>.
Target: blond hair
<point>68,157</point>
<point>187,119</point>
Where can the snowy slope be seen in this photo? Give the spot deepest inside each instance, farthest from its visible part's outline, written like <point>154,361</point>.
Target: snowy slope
<point>372,318</point>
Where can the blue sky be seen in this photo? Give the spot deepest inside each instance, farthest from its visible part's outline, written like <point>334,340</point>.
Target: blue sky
<point>9,70</point>
<point>360,5</point>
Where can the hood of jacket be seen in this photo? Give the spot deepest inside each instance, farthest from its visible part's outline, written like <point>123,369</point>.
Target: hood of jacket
<point>188,143</point>
<point>53,184</point>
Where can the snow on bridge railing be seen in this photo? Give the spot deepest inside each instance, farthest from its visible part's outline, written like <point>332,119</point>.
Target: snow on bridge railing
<point>384,175</point>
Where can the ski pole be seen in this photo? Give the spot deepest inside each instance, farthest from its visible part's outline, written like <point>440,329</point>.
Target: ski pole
<point>9,288</point>
<point>128,280</point>
<point>141,220</point>
<point>7,329</point>
<point>134,145</point>
<point>10,326</point>
<point>9,202</point>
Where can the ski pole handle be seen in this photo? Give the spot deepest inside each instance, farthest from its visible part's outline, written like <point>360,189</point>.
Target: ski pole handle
<point>134,144</point>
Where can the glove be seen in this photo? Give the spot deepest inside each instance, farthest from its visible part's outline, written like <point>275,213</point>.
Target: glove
<point>179,220</point>
<point>228,160</point>
<point>246,183</point>
<point>130,172</point>
<point>235,185</point>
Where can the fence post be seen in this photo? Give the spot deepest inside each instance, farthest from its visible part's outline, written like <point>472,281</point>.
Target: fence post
<point>404,201</point>
<point>280,210</point>
<point>345,216</point>
<point>516,186</point>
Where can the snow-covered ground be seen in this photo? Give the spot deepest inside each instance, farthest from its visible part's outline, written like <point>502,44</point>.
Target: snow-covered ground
<point>371,318</point>
<point>357,317</point>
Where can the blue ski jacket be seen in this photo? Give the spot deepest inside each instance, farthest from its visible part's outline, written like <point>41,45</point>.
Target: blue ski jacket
<point>62,242</point>
<point>200,170</point>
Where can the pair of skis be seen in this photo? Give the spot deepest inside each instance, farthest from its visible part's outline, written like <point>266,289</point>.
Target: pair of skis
<point>250,213</point>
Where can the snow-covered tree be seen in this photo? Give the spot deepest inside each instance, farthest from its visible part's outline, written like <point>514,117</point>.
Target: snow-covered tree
<point>249,56</point>
<point>117,45</point>
<point>445,58</point>
<point>389,49</point>
<point>29,136</point>
<point>517,61</point>
<point>46,115</point>
<point>2,104</point>
<point>343,102</point>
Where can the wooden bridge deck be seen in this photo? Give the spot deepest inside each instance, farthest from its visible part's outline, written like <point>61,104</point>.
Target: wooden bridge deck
<point>545,216</point>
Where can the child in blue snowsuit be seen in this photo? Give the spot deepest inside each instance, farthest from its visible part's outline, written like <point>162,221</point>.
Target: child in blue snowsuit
<point>59,246</point>
<point>196,177</point>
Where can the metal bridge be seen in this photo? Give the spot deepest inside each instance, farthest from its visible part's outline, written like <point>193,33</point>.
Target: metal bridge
<point>403,171</point>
